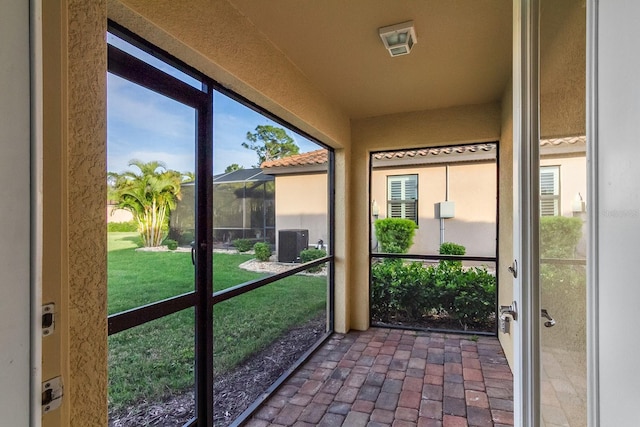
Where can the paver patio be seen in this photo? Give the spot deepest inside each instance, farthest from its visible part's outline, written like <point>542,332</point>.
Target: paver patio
<point>389,377</point>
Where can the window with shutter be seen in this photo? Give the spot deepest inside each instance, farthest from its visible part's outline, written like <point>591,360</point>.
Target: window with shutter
<point>402,197</point>
<point>549,190</point>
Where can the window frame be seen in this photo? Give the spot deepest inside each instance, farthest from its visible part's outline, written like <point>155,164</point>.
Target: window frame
<point>143,73</point>
<point>404,202</point>
<point>555,195</point>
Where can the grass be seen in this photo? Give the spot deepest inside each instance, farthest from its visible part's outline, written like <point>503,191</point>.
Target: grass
<point>155,360</point>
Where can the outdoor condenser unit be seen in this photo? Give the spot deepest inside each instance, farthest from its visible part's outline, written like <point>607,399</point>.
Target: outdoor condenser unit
<point>291,243</point>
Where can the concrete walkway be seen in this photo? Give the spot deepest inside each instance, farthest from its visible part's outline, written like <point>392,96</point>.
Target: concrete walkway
<point>387,377</point>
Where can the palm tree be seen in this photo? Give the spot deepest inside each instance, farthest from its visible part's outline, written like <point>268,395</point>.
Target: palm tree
<point>149,196</point>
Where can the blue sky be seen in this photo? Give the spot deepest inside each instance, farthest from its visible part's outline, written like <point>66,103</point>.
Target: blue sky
<point>146,126</point>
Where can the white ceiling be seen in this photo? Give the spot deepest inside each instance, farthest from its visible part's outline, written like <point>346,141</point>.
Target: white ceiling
<point>463,54</point>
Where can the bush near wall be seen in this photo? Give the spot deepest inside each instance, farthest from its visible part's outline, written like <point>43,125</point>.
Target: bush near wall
<point>410,293</point>
<point>563,286</point>
<point>120,227</point>
<point>448,248</point>
<point>395,235</point>
<point>262,251</point>
<point>309,255</point>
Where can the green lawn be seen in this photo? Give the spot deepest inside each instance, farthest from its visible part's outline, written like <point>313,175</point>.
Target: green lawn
<point>156,359</point>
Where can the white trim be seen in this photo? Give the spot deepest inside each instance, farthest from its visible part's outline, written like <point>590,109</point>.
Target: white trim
<point>37,138</point>
<point>593,355</point>
<point>526,147</point>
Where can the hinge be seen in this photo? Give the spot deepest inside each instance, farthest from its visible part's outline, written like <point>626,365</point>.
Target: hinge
<point>51,394</point>
<point>48,319</point>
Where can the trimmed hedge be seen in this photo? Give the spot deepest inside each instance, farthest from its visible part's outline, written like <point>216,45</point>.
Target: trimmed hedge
<point>395,235</point>
<point>448,248</point>
<point>118,227</point>
<point>262,251</point>
<point>242,245</point>
<point>409,292</point>
<point>308,255</point>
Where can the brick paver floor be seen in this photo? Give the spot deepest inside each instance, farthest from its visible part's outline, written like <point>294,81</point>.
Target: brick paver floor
<point>388,377</point>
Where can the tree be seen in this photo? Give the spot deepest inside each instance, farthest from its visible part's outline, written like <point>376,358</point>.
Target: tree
<point>149,195</point>
<point>270,143</point>
<point>233,167</point>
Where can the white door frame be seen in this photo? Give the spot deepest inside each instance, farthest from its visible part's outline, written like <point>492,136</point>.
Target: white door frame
<point>526,136</point>
<point>20,170</point>
<point>525,218</point>
<point>593,337</point>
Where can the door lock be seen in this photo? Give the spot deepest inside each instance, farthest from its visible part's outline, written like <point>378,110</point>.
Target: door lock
<point>507,312</point>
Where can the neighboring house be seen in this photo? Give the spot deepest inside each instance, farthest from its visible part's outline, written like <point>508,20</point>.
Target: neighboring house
<point>243,208</point>
<point>115,214</point>
<point>301,197</point>
<point>412,184</point>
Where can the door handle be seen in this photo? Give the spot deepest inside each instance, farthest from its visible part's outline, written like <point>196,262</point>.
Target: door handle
<point>550,321</point>
<point>193,253</point>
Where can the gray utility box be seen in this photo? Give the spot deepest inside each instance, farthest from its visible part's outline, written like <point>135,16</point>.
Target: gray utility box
<point>291,243</point>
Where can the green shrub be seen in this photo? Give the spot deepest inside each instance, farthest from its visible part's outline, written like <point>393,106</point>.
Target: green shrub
<point>187,237</point>
<point>172,245</point>
<point>395,235</point>
<point>242,245</point>
<point>128,227</point>
<point>559,236</point>
<point>407,292</point>
<point>563,286</point>
<point>262,250</point>
<point>448,248</point>
<point>308,255</point>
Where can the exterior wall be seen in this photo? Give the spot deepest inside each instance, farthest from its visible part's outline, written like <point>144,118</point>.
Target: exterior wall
<point>472,187</point>
<point>74,194</point>
<point>451,126</point>
<point>118,215</point>
<point>301,203</point>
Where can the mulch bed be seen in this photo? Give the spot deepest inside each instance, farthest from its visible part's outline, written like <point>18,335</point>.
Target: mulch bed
<point>233,391</point>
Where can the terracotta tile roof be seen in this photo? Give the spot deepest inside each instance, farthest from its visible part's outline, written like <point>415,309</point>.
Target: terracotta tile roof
<point>318,157</point>
<point>424,152</point>
<point>572,140</point>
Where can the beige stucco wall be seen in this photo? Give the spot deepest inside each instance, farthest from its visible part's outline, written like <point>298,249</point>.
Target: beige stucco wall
<point>302,203</point>
<point>472,188</point>
<point>118,215</point>
<point>74,232</point>
<point>458,125</point>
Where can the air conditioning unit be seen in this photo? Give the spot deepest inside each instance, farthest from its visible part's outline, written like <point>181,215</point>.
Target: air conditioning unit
<point>291,243</point>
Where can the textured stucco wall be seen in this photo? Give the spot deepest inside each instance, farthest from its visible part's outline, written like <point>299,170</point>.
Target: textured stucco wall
<point>457,125</point>
<point>562,69</point>
<point>74,233</point>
